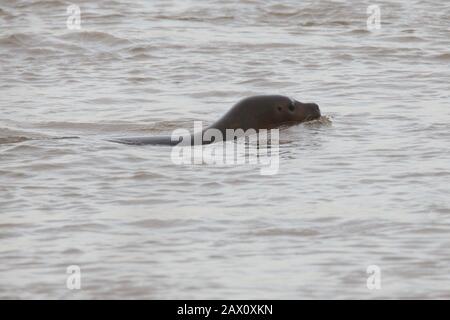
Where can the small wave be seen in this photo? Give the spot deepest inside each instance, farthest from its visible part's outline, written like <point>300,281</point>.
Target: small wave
<point>442,57</point>
<point>76,227</point>
<point>407,38</point>
<point>291,232</point>
<point>8,136</point>
<point>160,224</point>
<point>194,18</point>
<point>5,14</point>
<point>16,139</point>
<point>43,4</point>
<point>323,120</point>
<point>325,23</point>
<point>103,18</point>
<point>42,51</point>
<point>141,57</point>
<point>196,14</point>
<point>282,10</point>
<point>141,49</point>
<point>359,31</point>
<point>95,37</point>
<point>33,44</point>
<point>16,40</point>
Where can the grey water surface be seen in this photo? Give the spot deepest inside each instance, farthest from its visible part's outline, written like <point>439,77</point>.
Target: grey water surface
<point>370,186</point>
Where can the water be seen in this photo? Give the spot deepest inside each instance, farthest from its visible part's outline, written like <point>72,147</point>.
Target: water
<point>371,188</point>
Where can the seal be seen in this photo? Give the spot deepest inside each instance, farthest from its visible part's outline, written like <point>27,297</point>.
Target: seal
<point>255,113</point>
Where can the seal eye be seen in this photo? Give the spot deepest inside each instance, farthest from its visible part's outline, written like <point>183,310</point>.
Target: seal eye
<point>291,107</point>
<point>279,109</point>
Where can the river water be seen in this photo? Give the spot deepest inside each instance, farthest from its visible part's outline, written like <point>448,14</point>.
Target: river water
<point>368,188</point>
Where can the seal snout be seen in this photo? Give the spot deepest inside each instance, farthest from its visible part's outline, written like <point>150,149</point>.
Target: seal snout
<point>313,111</point>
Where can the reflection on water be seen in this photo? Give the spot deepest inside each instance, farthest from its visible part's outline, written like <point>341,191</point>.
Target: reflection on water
<point>371,188</point>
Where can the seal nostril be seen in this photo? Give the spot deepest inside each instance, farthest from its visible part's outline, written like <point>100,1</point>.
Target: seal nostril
<point>291,107</point>
<point>279,109</point>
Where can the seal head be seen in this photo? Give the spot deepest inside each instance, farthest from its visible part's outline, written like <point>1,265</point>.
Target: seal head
<point>267,112</point>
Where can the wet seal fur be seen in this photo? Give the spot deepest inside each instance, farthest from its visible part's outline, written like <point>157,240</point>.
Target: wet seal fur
<point>257,112</point>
